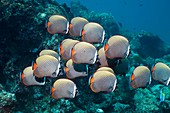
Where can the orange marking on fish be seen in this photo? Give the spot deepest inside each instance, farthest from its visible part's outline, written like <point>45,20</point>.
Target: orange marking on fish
<point>92,80</point>
<point>106,47</point>
<point>48,24</point>
<point>73,52</point>
<point>52,92</point>
<point>82,33</point>
<point>132,77</point>
<point>22,77</point>
<point>70,26</point>
<point>48,27</point>
<point>61,49</point>
<point>91,83</point>
<point>92,88</point>
<point>66,70</point>
<point>153,70</point>
<point>34,66</point>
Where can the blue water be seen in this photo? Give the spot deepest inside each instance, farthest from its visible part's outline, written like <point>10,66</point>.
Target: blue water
<point>135,15</point>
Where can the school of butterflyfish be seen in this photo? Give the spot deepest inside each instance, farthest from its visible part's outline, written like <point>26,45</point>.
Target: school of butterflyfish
<point>80,54</point>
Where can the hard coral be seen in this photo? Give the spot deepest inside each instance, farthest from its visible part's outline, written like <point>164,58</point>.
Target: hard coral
<point>146,101</point>
<point>151,45</point>
<point>7,100</point>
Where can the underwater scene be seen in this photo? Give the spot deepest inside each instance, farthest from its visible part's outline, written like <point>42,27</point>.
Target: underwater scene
<point>83,56</point>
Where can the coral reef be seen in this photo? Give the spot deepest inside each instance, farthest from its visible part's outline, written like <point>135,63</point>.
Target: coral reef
<point>144,100</point>
<point>7,100</point>
<point>23,36</point>
<point>22,25</point>
<point>155,50</point>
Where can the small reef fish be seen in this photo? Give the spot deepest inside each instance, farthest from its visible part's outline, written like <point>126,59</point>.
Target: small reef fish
<point>161,73</point>
<point>28,77</point>
<point>117,47</point>
<point>84,53</point>
<point>66,47</point>
<point>71,73</point>
<point>64,88</point>
<point>46,66</point>
<point>79,56</point>
<point>103,81</point>
<point>49,52</point>
<point>106,69</point>
<point>102,58</point>
<point>162,96</point>
<point>76,26</point>
<point>57,24</point>
<point>140,78</point>
<point>93,33</point>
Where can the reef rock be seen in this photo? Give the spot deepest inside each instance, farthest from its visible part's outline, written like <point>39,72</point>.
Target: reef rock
<point>146,101</point>
<point>7,101</point>
<point>151,45</point>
